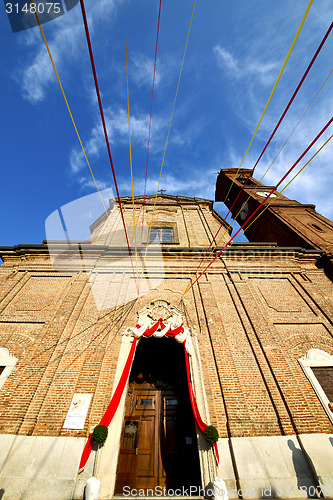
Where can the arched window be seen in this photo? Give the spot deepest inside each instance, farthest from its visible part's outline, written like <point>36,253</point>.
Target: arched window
<point>318,367</point>
<point>7,364</point>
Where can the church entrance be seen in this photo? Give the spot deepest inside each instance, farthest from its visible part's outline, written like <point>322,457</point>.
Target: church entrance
<point>158,443</point>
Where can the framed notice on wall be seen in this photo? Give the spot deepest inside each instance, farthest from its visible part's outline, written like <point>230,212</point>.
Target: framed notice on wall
<point>77,412</point>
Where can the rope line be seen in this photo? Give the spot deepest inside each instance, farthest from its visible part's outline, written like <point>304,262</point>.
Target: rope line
<point>167,139</point>
<point>105,129</point>
<point>293,130</point>
<point>268,142</point>
<point>275,85</point>
<point>285,187</point>
<point>261,204</point>
<point>285,111</point>
<point>294,95</point>
<point>67,104</point>
<point>151,111</point>
<point>257,187</point>
<point>130,146</point>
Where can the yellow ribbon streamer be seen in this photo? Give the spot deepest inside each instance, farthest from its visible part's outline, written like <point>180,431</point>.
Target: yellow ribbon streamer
<point>167,139</point>
<point>130,147</point>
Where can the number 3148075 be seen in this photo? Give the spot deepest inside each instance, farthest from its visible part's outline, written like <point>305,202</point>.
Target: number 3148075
<point>32,8</point>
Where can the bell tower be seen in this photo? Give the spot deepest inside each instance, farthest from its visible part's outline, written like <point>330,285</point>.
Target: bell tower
<point>286,222</point>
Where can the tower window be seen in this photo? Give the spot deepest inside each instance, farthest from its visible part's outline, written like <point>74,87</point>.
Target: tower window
<point>243,179</point>
<point>317,227</point>
<point>161,235</point>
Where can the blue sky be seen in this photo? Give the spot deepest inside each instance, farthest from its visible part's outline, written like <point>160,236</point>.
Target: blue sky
<point>235,52</point>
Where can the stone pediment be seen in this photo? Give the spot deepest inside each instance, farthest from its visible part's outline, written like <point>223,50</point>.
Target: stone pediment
<point>161,198</point>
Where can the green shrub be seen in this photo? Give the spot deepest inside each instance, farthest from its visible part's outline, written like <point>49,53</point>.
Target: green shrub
<point>99,435</point>
<point>211,434</point>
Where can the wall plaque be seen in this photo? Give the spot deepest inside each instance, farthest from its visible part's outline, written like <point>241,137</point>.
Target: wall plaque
<point>77,412</point>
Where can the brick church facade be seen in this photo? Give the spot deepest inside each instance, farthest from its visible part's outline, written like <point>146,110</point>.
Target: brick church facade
<point>260,324</point>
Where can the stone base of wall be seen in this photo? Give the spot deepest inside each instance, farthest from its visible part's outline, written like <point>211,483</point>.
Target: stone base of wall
<point>42,468</point>
<point>277,466</point>
<point>46,468</point>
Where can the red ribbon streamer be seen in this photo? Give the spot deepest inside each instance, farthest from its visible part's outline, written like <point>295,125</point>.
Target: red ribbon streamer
<point>151,112</point>
<point>265,199</point>
<point>114,403</point>
<point>201,424</point>
<point>105,131</point>
<point>171,333</point>
<point>271,136</point>
<point>115,400</point>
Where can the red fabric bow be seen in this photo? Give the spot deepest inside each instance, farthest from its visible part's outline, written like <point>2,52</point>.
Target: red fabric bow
<point>171,333</point>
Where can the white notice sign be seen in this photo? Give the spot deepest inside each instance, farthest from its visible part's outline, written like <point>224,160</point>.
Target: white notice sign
<point>77,412</point>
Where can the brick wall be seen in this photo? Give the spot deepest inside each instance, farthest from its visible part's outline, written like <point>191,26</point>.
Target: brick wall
<point>255,313</point>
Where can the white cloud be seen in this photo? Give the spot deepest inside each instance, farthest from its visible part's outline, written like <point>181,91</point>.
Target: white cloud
<point>261,72</point>
<point>87,183</point>
<point>66,41</point>
<point>197,183</point>
<point>36,77</point>
<point>315,181</point>
<point>226,59</point>
<point>117,127</point>
<point>143,70</point>
<point>313,184</point>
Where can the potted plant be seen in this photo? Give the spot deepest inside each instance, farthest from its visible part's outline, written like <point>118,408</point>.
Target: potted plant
<point>211,434</point>
<point>98,437</point>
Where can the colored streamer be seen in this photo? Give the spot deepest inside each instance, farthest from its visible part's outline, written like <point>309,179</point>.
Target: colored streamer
<point>269,140</point>
<point>69,109</point>
<point>275,85</point>
<point>105,130</point>
<point>167,139</point>
<point>283,114</point>
<point>299,121</point>
<point>235,218</point>
<point>113,405</point>
<point>151,112</point>
<point>129,141</point>
<point>266,198</point>
<point>285,187</point>
<point>201,424</point>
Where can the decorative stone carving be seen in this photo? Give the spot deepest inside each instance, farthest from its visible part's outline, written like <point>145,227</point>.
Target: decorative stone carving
<point>157,309</point>
<point>9,362</point>
<point>6,359</point>
<point>317,355</point>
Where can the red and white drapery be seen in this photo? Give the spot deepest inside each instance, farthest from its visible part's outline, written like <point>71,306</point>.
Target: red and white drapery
<point>201,424</point>
<point>113,405</point>
<point>159,329</point>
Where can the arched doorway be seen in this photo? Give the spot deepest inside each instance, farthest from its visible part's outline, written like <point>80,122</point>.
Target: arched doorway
<point>158,443</point>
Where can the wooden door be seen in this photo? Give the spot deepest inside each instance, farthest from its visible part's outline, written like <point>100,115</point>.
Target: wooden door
<point>128,454</point>
<point>147,407</point>
<point>171,439</point>
<point>158,443</point>
<point>138,465</point>
<point>158,446</point>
